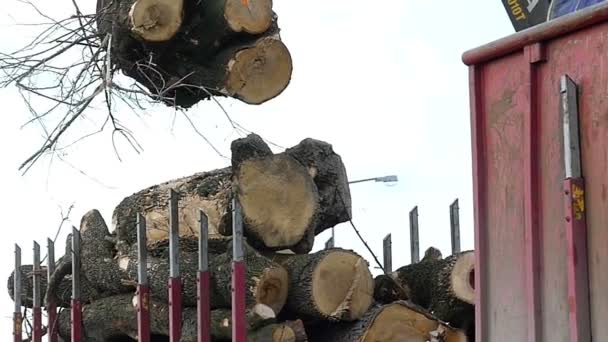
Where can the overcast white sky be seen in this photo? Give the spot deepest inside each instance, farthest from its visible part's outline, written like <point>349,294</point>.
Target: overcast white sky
<point>382,81</point>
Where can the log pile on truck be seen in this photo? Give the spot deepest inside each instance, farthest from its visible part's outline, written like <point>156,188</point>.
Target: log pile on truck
<point>293,294</point>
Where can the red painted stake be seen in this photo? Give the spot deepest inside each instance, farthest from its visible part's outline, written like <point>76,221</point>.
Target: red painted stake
<point>17,317</point>
<point>76,312</point>
<point>51,307</point>
<point>202,281</point>
<point>37,295</point>
<point>37,326</point>
<point>17,327</point>
<point>143,313</point>
<point>76,329</point>
<point>203,308</point>
<point>576,226</point>
<point>239,327</point>
<point>175,283</point>
<point>175,309</point>
<point>143,290</point>
<point>51,310</point>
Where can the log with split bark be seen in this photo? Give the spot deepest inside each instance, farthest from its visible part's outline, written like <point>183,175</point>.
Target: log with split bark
<point>186,51</point>
<point>115,319</point>
<point>444,287</point>
<point>399,321</point>
<point>286,198</point>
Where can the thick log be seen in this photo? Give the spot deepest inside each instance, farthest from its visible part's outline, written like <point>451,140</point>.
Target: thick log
<point>115,318</point>
<point>334,285</point>
<point>444,287</point>
<point>267,282</point>
<point>396,322</point>
<point>210,191</point>
<point>184,52</point>
<point>286,198</point>
<point>329,174</point>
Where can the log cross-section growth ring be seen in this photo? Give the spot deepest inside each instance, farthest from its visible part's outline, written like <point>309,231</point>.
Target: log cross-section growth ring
<point>259,73</point>
<point>279,199</point>
<point>156,20</point>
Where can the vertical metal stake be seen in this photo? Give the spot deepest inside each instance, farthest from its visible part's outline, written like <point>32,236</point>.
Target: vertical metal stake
<point>203,281</point>
<point>455,227</point>
<point>387,254</point>
<point>239,327</point>
<point>51,307</point>
<point>37,307</point>
<point>76,311</point>
<point>17,317</point>
<point>329,243</point>
<point>175,284</point>
<point>414,240</point>
<point>576,225</point>
<point>143,290</point>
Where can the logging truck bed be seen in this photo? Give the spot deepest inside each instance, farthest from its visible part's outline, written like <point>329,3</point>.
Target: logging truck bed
<point>292,293</point>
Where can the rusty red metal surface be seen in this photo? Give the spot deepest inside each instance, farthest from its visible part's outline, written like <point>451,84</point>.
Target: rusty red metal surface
<point>37,324</point>
<point>521,237</point>
<point>175,309</point>
<point>17,327</point>
<point>143,313</point>
<point>578,277</point>
<point>239,325</point>
<point>203,307</point>
<point>76,324</point>
<point>51,310</point>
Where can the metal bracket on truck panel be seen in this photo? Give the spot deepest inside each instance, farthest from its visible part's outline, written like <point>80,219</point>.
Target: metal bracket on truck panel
<point>576,226</point>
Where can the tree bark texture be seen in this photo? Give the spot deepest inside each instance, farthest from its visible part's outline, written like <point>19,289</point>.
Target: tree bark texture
<point>441,286</point>
<point>396,322</point>
<point>334,285</point>
<point>115,317</point>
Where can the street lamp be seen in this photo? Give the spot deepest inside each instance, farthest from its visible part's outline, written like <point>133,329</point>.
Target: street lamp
<point>384,179</point>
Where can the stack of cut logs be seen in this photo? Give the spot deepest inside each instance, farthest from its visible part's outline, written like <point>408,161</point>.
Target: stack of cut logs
<point>293,294</point>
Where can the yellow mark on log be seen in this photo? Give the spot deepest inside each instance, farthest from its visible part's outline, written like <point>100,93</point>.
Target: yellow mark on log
<point>578,199</point>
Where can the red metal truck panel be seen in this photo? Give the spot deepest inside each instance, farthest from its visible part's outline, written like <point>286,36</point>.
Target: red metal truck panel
<point>518,176</point>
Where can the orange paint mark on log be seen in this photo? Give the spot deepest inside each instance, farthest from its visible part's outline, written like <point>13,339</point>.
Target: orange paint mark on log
<point>245,2</point>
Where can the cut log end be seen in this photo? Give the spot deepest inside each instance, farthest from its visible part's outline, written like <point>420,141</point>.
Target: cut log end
<point>283,333</point>
<point>397,322</point>
<point>272,287</point>
<point>337,298</point>
<point>463,278</point>
<point>259,73</point>
<point>251,16</point>
<point>156,20</point>
<point>279,200</point>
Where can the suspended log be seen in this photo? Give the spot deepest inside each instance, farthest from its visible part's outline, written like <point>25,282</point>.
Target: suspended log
<point>444,287</point>
<point>113,318</point>
<point>184,52</point>
<point>396,322</point>
<point>286,198</point>
<point>333,285</point>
